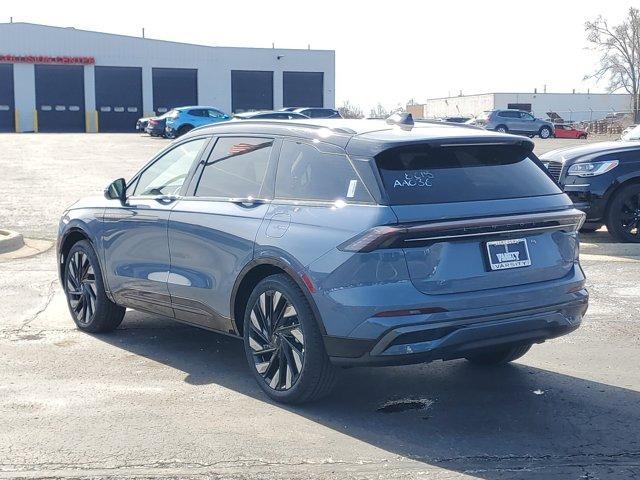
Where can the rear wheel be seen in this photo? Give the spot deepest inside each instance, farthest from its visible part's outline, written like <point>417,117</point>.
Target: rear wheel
<point>183,129</point>
<point>90,308</point>
<point>499,356</point>
<point>623,219</point>
<point>283,343</point>
<point>502,129</point>
<point>545,132</point>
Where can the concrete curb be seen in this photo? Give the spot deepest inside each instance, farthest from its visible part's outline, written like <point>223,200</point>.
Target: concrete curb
<point>611,249</point>
<point>10,241</point>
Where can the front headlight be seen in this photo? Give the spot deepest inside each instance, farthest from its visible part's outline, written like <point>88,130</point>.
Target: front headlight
<point>592,169</point>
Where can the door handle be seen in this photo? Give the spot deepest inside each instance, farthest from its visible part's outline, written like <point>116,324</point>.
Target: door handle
<point>166,199</point>
<point>248,201</point>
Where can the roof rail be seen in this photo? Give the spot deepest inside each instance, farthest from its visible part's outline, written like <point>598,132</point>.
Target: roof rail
<point>452,124</point>
<point>339,130</point>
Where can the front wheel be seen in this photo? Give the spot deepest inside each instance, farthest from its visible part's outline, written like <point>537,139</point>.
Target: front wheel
<point>545,132</point>
<point>502,129</point>
<point>623,219</point>
<point>90,308</point>
<point>499,356</point>
<point>283,343</point>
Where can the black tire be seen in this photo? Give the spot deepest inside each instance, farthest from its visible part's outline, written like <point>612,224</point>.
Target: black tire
<point>582,137</point>
<point>588,229</point>
<point>295,344</point>
<point>623,214</point>
<point>90,308</point>
<point>183,129</point>
<point>499,356</point>
<point>502,129</point>
<point>545,132</point>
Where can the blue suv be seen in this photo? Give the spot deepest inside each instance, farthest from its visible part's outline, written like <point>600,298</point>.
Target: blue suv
<point>181,120</point>
<point>325,243</point>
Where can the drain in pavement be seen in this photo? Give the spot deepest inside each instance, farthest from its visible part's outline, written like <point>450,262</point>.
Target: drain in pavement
<point>402,405</point>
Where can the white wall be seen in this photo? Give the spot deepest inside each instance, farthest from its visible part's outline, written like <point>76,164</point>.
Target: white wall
<point>214,64</point>
<point>469,105</point>
<point>570,106</point>
<point>24,88</point>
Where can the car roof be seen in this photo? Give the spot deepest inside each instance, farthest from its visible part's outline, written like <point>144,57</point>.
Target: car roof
<point>365,137</point>
<point>194,106</point>
<point>259,112</point>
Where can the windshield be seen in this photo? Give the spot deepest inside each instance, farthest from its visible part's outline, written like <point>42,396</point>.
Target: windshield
<point>632,135</point>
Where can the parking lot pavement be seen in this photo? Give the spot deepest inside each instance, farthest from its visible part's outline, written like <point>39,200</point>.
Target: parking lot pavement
<point>157,399</point>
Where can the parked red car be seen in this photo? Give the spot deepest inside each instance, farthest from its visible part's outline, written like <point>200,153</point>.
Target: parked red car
<point>567,131</point>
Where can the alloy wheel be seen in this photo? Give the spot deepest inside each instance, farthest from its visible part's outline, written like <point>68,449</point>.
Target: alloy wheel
<point>630,215</point>
<point>276,340</point>
<point>81,287</point>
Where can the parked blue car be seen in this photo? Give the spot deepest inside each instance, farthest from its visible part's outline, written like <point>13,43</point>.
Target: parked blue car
<point>183,119</point>
<point>325,243</point>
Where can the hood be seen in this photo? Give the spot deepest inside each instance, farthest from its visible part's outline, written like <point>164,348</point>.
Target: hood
<point>590,150</point>
<point>94,201</point>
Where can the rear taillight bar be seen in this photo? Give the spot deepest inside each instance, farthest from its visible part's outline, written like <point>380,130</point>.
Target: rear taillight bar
<point>404,235</point>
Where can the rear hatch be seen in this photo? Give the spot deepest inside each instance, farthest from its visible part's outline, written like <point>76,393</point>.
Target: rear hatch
<point>477,216</point>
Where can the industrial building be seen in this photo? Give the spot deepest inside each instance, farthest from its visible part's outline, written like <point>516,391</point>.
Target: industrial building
<point>55,79</point>
<point>571,107</point>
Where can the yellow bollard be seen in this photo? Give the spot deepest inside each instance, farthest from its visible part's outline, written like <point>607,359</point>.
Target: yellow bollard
<point>95,113</point>
<point>16,120</point>
<point>35,121</point>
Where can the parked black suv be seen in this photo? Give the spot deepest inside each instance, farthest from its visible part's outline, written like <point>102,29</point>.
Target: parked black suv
<point>603,180</point>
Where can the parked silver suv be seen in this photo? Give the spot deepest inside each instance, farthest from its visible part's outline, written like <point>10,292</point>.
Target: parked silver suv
<point>515,121</point>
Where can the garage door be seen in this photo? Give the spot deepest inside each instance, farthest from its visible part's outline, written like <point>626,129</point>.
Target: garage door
<point>303,89</point>
<point>6,98</point>
<point>60,98</point>
<point>118,98</point>
<point>174,87</point>
<point>251,90</point>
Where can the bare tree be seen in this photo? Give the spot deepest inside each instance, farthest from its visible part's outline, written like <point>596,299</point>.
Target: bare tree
<point>619,46</point>
<point>350,111</point>
<point>379,112</point>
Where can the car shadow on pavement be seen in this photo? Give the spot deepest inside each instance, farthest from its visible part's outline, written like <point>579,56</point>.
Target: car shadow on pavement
<point>514,421</point>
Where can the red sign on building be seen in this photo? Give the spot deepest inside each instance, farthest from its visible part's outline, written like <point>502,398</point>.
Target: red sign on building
<point>63,60</point>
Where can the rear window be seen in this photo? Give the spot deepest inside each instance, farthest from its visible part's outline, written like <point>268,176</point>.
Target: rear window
<point>432,174</point>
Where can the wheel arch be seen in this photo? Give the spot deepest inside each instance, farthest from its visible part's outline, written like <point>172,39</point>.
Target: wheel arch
<point>620,184</point>
<point>70,237</point>
<point>257,270</point>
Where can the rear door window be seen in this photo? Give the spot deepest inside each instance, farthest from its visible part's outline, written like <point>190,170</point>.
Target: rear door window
<point>432,174</point>
<point>306,173</point>
<point>236,168</point>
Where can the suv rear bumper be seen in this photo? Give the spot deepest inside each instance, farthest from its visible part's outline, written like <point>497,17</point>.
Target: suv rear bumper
<point>458,338</point>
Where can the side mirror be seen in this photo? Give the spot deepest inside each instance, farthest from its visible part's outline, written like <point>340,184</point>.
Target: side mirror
<point>116,191</point>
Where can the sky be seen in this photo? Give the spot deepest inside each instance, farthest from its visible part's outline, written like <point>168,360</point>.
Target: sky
<point>386,52</point>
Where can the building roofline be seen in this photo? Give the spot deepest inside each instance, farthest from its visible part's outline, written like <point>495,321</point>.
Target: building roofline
<point>525,93</point>
<point>41,25</point>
